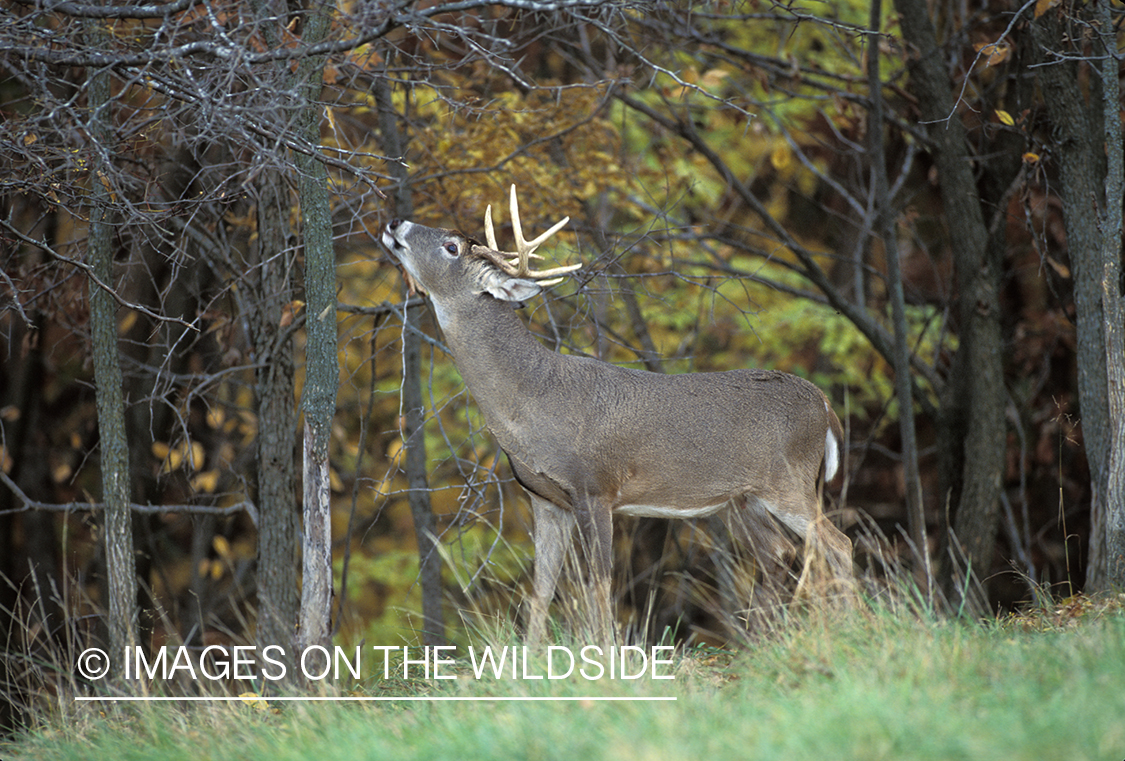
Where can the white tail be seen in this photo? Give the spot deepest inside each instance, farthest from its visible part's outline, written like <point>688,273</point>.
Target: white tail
<point>588,439</point>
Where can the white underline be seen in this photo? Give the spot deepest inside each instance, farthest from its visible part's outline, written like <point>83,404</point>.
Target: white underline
<point>251,699</point>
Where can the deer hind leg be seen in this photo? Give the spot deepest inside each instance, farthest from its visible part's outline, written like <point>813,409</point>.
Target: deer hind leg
<point>828,551</point>
<point>826,541</point>
<point>554,529</point>
<point>754,528</point>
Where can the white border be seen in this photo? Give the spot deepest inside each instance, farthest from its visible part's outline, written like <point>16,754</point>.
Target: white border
<point>254,698</point>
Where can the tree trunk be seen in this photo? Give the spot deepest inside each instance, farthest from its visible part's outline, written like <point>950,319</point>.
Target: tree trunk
<point>421,508</point>
<point>1113,573</point>
<point>322,370</point>
<point>886,227</point>
<point>978,455</point>
<point>277,423</point>
<point>1114,309</point>
<point>120,568</point>
<point>278,530</point>
<point>1080,131</point>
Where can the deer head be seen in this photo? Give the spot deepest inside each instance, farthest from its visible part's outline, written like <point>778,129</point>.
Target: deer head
<point>506,275</point>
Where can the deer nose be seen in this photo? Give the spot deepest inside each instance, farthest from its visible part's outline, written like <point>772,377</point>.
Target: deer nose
<point>394,224</point>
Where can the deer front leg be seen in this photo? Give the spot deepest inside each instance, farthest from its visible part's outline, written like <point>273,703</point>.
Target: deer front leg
<point>554,529</point>
<point>595,527</point>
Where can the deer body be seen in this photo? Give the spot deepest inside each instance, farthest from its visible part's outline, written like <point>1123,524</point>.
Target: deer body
<point>587,439</point>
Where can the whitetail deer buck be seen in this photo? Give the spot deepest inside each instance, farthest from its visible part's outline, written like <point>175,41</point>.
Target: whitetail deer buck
<point>588,439</point>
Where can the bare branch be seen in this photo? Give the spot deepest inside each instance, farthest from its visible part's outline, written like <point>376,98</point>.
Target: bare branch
<point>89,271</point>
<point>879,337</point>
<point>398,17</point>
<point>16,305</point>
<point>27,503</point>
<point>81,10</point>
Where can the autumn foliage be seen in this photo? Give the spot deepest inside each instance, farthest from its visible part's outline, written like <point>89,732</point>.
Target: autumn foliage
<point>715,173</point>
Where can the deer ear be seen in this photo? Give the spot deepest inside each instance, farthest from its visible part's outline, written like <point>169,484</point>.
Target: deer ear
<point>507,288</point>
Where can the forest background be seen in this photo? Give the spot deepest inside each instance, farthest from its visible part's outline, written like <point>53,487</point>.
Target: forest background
<point>192,200</point>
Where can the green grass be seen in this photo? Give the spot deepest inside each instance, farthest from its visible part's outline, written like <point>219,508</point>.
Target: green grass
<point>878,687</point>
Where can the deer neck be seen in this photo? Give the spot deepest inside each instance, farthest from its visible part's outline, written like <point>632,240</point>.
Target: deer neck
<point>503,364</point>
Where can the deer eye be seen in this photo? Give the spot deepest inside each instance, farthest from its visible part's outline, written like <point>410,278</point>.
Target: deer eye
<point>450,248</point>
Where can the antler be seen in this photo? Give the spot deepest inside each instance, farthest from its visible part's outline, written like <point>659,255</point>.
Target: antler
<point>525,250</point>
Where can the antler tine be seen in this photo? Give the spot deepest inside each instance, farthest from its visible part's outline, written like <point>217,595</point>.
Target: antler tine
<point>517,264</point>
<point>525,250</point>
<point>489,233</point>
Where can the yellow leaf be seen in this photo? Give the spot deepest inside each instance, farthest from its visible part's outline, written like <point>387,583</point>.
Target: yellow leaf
<point>109,188</point>
<point>289,313</point>
<point>714,78</point>
<point>215,417</point>
<point>227,451</point>
<point>1059,267</point>
<point>221,545</point>
<point>254,700</point>
<point>128,321</point>
<point>30,138</point>
<point>1042,6</point>
<point>1005,118</point>
<point>171,458</point>
<point>1030,158</point>
<point>334,481</point>
<point>781,156</point>
<point>394,449</point>
<point>197,455</point>
<point>206,481</point>
<point>61,472</point>
<point>996,53</point>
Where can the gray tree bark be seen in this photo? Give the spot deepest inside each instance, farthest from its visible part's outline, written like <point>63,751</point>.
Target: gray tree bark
<point>421,508</point>
<point>322,369</point>
<point>1087,136</point>
<point>278,529</point>
<point>108,379</point>
<point>886,228</point>
<point>277,422</point>
<point>976,396</point>
<point>1113,306</point>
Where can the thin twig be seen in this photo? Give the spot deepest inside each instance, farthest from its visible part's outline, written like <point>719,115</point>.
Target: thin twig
<point>86,268</point>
